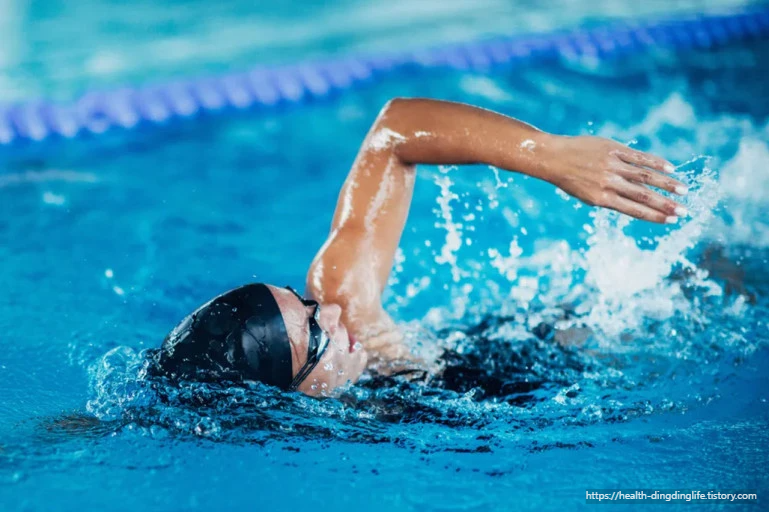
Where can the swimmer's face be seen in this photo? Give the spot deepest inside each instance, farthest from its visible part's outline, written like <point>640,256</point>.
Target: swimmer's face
<point>340,363</point>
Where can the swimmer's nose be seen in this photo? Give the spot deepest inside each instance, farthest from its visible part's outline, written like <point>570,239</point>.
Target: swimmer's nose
<point>329,317</point>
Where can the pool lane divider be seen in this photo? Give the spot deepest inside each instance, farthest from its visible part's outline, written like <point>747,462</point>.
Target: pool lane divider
<point>98,112</point>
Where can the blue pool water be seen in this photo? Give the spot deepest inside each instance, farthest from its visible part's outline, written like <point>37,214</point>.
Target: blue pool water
<point>107,243</point>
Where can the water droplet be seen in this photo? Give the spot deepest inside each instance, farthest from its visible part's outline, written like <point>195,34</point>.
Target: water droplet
<point>328,367</point>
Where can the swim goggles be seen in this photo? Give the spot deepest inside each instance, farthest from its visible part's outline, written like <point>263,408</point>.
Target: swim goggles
<point>317,345</point>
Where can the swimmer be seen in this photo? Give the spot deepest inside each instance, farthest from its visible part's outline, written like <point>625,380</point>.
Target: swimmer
<point>275,336</point>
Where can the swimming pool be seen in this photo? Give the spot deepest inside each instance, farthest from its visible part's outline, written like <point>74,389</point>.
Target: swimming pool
<point>109,241</point>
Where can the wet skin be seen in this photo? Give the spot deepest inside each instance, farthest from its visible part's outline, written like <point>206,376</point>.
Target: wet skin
<point>350,271</point>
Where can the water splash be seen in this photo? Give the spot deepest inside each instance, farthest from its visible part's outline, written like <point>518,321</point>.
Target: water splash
<point>453,240</point>
<point>117,384</point>
<point>619,280</point>
<point>547,330</point>
<point>744,184</point>
<point>629,284</point>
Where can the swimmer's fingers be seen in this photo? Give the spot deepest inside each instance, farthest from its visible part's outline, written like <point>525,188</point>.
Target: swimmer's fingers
<point>648,177</point>
<point>640,211</point>
<point>648,198</point>
<point>642,159</point>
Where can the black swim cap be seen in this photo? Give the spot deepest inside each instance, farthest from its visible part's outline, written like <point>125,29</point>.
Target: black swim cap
<point>238,336</point>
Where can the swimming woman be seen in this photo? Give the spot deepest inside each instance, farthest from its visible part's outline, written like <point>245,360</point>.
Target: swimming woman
<point>273,335</point>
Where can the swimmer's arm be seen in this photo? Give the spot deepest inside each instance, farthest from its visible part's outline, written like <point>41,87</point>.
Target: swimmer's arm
<point>598,171</point>
<point>353,266</point>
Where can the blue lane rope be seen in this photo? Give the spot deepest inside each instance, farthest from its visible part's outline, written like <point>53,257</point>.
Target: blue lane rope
<point>126,108</point>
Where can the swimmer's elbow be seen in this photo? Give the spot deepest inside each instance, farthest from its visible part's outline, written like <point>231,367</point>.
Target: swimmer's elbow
<point>396,126</point>
<point>394,111</point>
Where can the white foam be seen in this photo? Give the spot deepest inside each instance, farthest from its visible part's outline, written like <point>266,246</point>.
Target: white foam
<point>744,184</point>
<point>674,111</point>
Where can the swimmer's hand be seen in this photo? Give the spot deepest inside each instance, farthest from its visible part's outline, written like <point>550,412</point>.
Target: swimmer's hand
<point>601,172</point>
